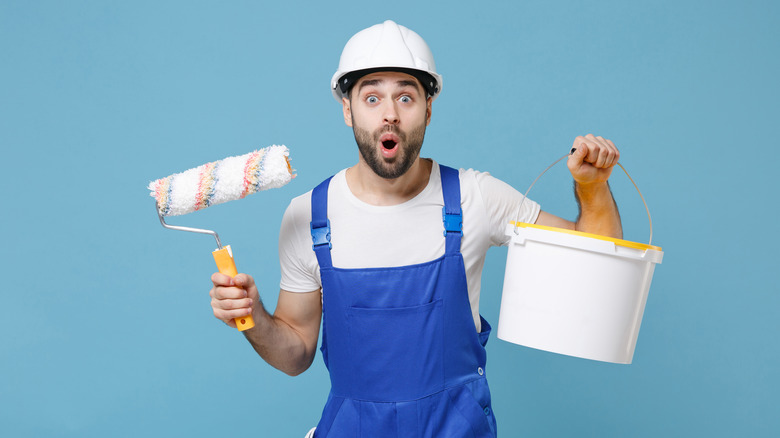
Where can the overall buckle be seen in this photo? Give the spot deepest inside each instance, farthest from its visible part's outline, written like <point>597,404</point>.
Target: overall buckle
<point>453,223</point>
<point>320,235</point>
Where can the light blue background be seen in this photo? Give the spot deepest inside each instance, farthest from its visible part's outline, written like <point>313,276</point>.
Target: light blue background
<point>106,328</point>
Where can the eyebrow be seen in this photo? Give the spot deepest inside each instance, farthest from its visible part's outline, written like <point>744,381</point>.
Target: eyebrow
<point>400,83</point>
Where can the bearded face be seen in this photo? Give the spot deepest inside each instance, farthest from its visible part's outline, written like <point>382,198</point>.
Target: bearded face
<point>390,166</point>
<point>388,112</point>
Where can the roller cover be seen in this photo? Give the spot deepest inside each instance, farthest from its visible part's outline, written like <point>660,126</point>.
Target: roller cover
<point>222,181</point>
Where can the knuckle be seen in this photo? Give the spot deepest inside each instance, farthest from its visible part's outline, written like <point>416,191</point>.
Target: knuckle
<point>218,306</point>
<point>227,293</point>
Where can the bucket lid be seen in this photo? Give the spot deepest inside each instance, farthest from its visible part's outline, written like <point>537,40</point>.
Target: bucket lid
<point>621,242</point>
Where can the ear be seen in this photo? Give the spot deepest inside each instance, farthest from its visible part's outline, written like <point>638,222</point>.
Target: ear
<point>345,103</point>
<point>428,110</point>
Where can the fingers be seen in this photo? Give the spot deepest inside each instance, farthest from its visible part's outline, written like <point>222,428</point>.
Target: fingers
<point>227,309</point>
<point>597,151</point>
<point>220,279</point>
<point>232,297</point>
<point>608,154</point>
<point>245,282</point>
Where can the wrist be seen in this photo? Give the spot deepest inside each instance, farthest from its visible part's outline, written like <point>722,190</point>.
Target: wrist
<point>591,188</point>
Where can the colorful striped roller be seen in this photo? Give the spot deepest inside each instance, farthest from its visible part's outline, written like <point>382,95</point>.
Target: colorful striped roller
<point>222,181</point>
<point>218,182</point>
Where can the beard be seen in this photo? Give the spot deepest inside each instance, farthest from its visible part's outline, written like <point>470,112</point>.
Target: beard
<point>390,168</point>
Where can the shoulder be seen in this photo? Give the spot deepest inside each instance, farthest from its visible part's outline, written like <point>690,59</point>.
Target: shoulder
<point>298,210</point>
<point>484,184</point>
<point>469,176</point>
<point>475,183</point>
<point>300,206</point>
<point>477,177</point>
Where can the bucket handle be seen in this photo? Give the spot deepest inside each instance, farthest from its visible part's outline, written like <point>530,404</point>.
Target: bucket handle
<point>517,216</point>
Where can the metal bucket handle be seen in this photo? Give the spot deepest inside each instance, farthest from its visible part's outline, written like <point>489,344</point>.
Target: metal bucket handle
<point>566,156</point>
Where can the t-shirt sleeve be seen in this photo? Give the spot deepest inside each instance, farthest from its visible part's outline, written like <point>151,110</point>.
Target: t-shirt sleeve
<point>299,270</point>
<point>501,204</point>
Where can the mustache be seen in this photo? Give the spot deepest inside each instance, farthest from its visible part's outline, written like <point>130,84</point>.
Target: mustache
<point>394,129</point>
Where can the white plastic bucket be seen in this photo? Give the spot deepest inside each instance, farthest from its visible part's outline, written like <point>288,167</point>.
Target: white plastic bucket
<point>575,293</point>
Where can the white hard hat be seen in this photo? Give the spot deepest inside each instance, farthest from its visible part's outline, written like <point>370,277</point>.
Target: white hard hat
<point>386,47</point>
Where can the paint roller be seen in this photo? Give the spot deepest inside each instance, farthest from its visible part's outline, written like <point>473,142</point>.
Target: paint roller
<point>218,182</point>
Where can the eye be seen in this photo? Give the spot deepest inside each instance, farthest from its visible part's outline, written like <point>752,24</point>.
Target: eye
<point>372,99</point>
<point>405,99</point>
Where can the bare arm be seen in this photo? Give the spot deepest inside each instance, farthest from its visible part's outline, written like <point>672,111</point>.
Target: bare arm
<point>287,340</point>
<point>591,165</point>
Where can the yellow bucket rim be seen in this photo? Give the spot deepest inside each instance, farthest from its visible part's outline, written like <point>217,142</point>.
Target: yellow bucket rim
<point>621,242</point>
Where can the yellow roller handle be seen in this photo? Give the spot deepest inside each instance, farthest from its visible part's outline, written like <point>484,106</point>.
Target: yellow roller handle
<point>226,265</point>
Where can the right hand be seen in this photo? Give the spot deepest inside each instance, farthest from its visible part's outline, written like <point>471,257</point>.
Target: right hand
<point>233,297</point>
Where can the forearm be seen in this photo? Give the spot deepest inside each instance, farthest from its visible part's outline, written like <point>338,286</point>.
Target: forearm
<point>279,344</point>
<point>598,211</point>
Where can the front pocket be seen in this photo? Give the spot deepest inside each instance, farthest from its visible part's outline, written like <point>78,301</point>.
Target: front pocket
<point>397,352</point>
<point>472,401</point>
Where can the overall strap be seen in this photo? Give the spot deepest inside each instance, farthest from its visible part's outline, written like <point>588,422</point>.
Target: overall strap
<point>320,225</point>
<point>451,212</point>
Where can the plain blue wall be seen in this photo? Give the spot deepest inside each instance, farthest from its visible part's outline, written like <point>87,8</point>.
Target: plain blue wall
<point>106,328</point>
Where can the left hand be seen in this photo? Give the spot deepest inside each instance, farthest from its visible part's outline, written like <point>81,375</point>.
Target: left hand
<point>593,160</point>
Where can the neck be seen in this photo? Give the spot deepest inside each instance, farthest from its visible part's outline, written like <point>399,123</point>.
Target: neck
<point>375,190</point>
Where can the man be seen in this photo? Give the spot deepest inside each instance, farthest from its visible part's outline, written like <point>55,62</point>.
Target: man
<point>399,245</point>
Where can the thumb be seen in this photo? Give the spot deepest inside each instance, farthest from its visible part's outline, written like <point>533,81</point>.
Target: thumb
<point>246,282</point>
<point>577,155</point>
<point>220,279</point>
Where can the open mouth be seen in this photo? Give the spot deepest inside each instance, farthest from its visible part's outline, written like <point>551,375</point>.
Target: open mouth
<point>389,140</point>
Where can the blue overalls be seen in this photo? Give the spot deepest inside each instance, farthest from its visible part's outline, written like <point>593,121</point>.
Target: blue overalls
<point>404,357</point>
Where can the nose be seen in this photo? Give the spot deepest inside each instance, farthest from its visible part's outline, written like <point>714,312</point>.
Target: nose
<point>390,114</point>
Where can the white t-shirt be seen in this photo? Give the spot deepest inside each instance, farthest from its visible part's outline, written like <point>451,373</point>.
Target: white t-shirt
<point>369,236</point>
